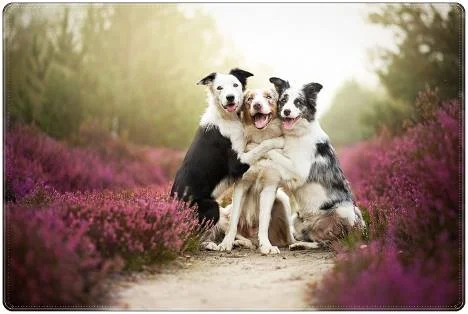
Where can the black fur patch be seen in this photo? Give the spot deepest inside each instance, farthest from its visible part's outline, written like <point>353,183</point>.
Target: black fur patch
<point>209,160</point>
<point>241,75</point>
<point>323,149</point>
<point>329,205</point>
<point>310,92</point>
<point>207,79</point>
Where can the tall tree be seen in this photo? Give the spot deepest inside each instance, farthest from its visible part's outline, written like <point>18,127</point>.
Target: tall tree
<point>133,68</point>
<point>29,55</point>
<point>430,50</point>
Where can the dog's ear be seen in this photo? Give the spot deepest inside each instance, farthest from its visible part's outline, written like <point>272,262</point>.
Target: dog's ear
<point>310,91</point>
<point>280,84</point>
<point>241,75</point>
<point>312,88</point>
<point>245,116</point>
<point>246,96</point>
<point>207,79</point>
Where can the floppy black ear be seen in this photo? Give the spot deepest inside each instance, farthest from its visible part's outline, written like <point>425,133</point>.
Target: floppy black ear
<point>241,75</point>
<point>310,91</point>
<point>312,88</point>
<point>280,84</point>
<point>207,79</point>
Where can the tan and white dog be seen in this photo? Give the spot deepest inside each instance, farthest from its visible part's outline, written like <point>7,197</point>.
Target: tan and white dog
<point>257,201</point>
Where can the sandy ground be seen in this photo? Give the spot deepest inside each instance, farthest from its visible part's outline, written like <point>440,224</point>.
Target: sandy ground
<point>242,279</point>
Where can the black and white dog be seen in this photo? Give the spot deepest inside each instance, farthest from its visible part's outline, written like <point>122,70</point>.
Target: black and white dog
<point>326,207</point>
<point>215,158</point>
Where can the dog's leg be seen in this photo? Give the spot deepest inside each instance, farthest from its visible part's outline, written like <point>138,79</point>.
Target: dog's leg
<point>267,197</point>
<point>351,214</point>
<point>301,245</point>
<point>362,223</point>
<point>237,200</point>
<point>210,237</point>
<point>258,152</point>
<point>208,211</point>
<point>284,199</point>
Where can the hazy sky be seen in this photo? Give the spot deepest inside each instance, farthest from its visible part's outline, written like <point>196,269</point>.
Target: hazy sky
<point>326,43</point>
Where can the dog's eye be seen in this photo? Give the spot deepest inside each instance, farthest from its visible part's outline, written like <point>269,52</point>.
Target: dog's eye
<point>268,97</point>
<point>219,88</point>
<point>283,101</point>
<point>235,84</point>
<point>250,99</point>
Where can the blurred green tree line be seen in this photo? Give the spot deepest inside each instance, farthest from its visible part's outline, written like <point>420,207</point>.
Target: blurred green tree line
<point>344,120</point>
<point>131,69</point>
<point>429,55</point>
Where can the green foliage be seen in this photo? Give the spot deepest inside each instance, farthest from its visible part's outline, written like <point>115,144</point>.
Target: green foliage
<point>388,115</point>
<point>342,120</point>
<point>132,68</point>
<point>428,55</point>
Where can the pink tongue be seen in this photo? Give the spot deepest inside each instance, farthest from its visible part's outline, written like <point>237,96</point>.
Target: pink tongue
<point>231,108</point>
<point>261,121</point>
<point>288,123</point>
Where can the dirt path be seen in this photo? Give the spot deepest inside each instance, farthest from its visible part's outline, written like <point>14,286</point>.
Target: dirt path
<point>241,280</point>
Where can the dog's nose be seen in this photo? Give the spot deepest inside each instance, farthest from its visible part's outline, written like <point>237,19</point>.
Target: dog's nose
<point>257,106</point>
<point>287,112</point>
<point>230,98</point>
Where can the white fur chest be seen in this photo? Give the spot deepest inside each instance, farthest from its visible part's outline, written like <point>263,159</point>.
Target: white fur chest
<point>300,151</point>
<point>231,128</point>
<point>300,147</point>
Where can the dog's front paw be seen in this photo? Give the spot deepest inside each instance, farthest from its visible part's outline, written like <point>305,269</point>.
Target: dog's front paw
<point>245,243</point>
<point>303,246</point>
<point>209,246</point>
<point>251,146</point>
<point>359,220</point>
<point>225,246</point>
<point>269,249</point>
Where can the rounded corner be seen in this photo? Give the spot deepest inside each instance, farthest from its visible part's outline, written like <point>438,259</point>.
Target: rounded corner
<point>461,8</point>
<point>7,306</point>
<point>7,6</point>
<point>459,306</point>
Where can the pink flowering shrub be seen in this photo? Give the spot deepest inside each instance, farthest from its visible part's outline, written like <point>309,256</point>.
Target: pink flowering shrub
<point>49,262</point>
<point>32,159</point>
<point>59,251</point>
<point>411,188</point>
<point>74,214</point>
<point>376,278</point>
<point>142,225</point>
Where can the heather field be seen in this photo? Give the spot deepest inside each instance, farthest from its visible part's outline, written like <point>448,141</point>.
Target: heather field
<point>411,189</point>
<point>74,215</point>
<point>77,214</point>
<point>101,102</point>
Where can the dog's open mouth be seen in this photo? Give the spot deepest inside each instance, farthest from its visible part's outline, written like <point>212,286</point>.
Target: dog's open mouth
<point>231,107</point>
<point>288,123</point>
<point>261,120</point>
